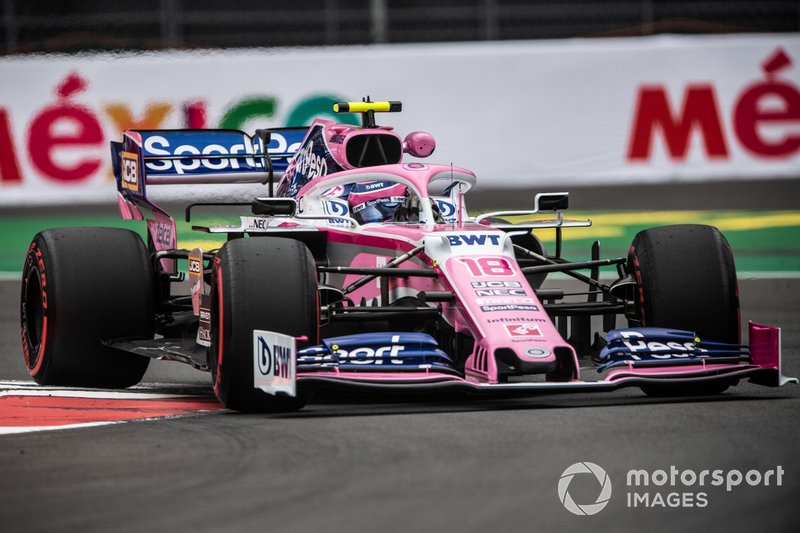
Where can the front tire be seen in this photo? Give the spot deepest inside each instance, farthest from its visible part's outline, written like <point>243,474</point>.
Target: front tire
<point>81,286</point>
<point>686,279</point>
<point>258,283</point>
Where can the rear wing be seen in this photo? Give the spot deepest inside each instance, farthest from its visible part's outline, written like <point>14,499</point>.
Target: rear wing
<point>184,157</point>
<point>170,157</point>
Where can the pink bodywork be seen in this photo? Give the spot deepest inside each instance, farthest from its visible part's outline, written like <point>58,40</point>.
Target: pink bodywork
<point>512,320</point>
<point>419,144</point>
<point>524,328</point>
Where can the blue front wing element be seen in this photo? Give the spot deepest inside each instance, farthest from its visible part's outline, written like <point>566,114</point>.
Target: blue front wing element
<point>388,352</point>
<point>662,346</point>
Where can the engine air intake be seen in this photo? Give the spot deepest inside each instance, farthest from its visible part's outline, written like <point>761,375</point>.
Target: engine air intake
<point>373,149</point>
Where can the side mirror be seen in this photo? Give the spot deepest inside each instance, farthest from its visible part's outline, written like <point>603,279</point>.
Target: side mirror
<point>274,206</point>
<point>419,144</point>
<point>551,201</point>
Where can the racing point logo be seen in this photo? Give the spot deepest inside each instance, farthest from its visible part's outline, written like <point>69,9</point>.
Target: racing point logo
<point>590,508</point>
<point>523,330</point>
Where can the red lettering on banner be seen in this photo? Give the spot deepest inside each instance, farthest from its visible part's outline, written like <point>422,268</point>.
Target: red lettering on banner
<point>82,129</point>
<point>769,102</point>
<point>194,114</point>
<point>653,113</point>
<point>9,167</point>
<point>749,112</point>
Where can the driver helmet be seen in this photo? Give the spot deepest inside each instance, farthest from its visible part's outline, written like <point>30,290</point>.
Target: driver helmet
<point>375,201</point>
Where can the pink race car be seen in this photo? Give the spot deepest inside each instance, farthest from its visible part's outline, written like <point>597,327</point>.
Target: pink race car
<point>360,269</point>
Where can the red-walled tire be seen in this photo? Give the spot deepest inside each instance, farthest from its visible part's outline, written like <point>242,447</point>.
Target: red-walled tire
<point>686,279</point>
<point>259,283</point>
<point>81,286</point>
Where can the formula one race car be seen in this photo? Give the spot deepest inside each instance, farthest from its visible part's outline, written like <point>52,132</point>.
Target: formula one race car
<point>361,270</point>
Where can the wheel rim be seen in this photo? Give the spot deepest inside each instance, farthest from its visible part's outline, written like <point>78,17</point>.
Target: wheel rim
<point>33,317</point>
<point>217,326</point>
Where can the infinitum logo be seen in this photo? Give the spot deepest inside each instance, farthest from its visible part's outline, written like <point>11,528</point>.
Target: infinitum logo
<point>589,508</point>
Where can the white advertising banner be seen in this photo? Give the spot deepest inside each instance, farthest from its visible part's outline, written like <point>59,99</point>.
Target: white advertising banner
<point>520,114</point>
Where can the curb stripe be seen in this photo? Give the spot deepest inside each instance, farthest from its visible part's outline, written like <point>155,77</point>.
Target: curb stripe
<point>27,407</point>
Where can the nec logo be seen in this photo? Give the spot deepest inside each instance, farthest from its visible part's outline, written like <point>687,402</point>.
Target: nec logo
<point>258,223</point>
<point>501,292</point>
<point>472,240</point>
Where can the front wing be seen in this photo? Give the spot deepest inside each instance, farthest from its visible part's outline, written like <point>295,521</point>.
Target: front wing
<point>761,366</point>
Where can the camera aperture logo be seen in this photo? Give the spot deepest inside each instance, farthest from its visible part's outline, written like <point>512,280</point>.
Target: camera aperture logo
<point>589,508</point>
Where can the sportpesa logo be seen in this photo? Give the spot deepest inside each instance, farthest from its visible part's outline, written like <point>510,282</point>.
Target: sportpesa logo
<point>585,509</point>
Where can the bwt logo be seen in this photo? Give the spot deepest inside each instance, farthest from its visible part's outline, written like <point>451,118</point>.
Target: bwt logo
<point>584,509</point>
<point>447,209</point>
<point>275,361</point>
<point>336,207</point>
<point>472,240</point>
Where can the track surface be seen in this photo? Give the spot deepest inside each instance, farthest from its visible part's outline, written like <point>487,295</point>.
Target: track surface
<point>418,465</point>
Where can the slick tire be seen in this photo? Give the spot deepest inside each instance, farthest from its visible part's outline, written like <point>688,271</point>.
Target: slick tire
<point>259,283</point>
<point>530,242</point>
<point>81,286</point>
<point>686,279</point>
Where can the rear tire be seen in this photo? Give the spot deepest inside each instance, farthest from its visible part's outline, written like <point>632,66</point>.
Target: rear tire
<point>686,279</point>
<point>81,286</point>
<point>259,283</point>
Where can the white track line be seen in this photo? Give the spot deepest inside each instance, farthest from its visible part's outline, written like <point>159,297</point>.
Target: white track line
<point>27,388</point>
<point>16,430</point>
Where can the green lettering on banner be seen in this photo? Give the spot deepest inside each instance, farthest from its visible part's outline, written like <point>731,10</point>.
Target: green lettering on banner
<point>243,110</point>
